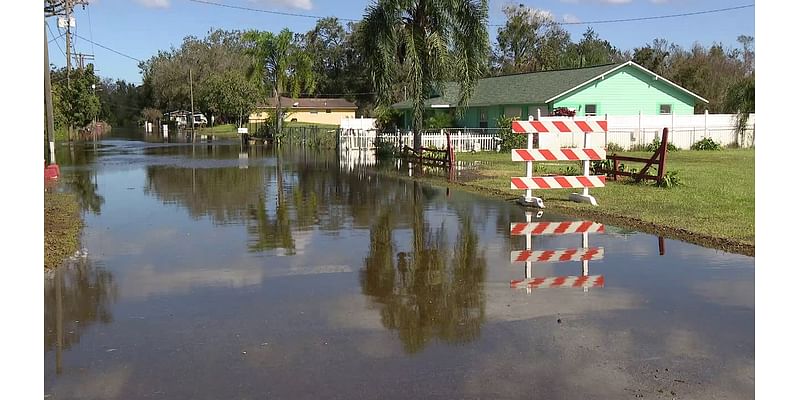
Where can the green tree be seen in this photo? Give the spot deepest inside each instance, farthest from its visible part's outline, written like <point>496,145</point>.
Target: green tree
<point>281,64</point>
<point>229,94</point>
<point>76,104</point>
<point>165,76</point>
<point>431,42</point>
<point>526,41</point>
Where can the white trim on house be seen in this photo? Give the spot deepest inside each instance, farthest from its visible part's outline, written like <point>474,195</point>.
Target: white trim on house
<point>603,76</point>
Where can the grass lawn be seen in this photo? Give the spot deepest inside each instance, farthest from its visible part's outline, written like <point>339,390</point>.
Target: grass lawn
<point>219,130</point>
<point>62,227</point>
<point>716,198</point>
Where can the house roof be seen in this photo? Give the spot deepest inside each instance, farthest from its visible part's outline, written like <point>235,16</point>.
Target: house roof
<point>529,88</point>
<point>310,103</point>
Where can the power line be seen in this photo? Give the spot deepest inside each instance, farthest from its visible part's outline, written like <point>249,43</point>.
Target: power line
<point>609,21</point>
<point>261,10</point>
<point>109,49</point>
<point>51,34</point>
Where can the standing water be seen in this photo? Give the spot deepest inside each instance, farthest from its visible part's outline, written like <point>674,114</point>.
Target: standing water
<point>286,274</point>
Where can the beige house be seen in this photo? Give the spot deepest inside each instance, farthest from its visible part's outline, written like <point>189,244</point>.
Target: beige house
<point>308,110</point>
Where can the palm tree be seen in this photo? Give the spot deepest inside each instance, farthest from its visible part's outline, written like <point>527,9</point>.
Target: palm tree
<point>282,64</point>
<point>431,41</point>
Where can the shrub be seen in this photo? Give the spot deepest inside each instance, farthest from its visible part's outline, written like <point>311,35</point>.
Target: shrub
<point>613,148</point>
<point>655,144</point>
<point>510,140</point>
<point>706,144</point>
<point>670,180</point>
<point>563,112</point>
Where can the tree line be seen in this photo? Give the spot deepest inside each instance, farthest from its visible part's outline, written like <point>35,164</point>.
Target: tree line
<point>399,51</point>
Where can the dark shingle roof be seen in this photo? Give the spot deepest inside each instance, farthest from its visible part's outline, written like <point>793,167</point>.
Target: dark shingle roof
<point>528,88</point>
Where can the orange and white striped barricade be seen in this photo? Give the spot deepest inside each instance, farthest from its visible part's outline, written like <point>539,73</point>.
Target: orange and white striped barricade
<point>546,131</point>
<point>583,254</point>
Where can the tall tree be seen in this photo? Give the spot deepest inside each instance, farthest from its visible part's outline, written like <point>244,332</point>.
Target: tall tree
<point>529,41</point>
<point>431,41</point>
<point>77,104</point>
<point>282,65</point>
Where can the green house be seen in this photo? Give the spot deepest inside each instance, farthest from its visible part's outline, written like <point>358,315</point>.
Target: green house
<point>613,89</point>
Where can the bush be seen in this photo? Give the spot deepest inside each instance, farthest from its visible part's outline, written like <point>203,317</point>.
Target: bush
<point>656,144</point>
<point>670,180</point>
<point>706,144</point>
<point>563,112</point>
<point>510,140</point>
<point>440,120</point>
<point>613,148</point>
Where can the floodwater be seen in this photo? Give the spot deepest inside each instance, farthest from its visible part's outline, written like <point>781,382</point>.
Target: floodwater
<point>294,274</point>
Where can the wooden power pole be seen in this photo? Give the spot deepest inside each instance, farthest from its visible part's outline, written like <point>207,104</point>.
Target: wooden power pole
<point>48,104</point>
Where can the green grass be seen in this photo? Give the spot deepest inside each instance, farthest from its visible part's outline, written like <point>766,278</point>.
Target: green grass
<point>62,227</point>
<point>716,197</point>
<point>219,130</point>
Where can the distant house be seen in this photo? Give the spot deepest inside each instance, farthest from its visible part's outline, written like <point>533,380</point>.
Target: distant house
<point>309,110</point>
<point>613,89</point>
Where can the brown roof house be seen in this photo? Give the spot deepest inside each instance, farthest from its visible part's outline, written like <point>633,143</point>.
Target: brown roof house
<point>320,111</point>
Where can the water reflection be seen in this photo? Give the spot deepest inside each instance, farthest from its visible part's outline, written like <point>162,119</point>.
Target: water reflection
<point>584,254</point>
<point>429,292</point>
<point>81,180</point>
<point>76,296</point>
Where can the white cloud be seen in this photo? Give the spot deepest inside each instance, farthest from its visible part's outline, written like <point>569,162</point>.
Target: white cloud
<point>571,19</point>
<point>301,4</point>
<point>154,3</point>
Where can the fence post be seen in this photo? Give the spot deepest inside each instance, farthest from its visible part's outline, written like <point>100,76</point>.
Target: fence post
<point>662,160</point>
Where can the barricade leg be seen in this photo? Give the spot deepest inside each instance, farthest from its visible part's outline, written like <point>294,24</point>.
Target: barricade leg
<point>529,200</point>
<point>584,197</point>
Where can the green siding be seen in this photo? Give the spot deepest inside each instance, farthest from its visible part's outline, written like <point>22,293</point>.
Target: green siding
<point>628,91</point>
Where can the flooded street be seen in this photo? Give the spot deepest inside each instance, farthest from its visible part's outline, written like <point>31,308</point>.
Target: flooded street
<point>291,274</point>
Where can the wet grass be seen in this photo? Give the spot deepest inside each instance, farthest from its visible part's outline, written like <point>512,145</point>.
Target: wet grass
<point>713,205</point>
<point>62,227</point>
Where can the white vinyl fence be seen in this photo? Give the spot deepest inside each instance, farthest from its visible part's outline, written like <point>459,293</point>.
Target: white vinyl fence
<point>625,131</point>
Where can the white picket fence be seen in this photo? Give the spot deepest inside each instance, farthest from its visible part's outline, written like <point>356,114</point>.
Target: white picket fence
<point>463,140</point>
<point>625,131</point>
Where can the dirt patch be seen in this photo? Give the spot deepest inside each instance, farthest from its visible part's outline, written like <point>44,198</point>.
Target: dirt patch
<point>62,227</point>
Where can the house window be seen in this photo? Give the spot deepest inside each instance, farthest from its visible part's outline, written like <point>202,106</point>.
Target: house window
<point>590,110</point>
<point>484,120</point>
<point>665,109</point>
<point>327,110</point>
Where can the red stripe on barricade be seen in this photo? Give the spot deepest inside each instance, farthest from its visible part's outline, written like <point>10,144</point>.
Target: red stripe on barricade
<point>570,154</point>
<point>562,127</point>
<point>556,228</point>
<point>548,155</point>
<point>593,154</point>
<point>518,183</point>
<point>584,126</point>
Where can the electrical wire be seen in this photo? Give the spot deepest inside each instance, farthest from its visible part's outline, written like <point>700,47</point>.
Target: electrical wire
<point>608,21</point>
<point>51,34</point>
<point>109,49</point>
<point>261,10</point>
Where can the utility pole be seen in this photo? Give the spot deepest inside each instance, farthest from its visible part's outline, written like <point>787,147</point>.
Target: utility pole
<point>68,22</point>
<point>191,99</point>
<point>48,103</point>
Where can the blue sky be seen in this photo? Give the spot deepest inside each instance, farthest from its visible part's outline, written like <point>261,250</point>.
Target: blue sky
<point>139,28</point>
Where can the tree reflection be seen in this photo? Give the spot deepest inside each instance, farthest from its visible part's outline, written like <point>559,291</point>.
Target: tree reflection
<point>76,296</point>
<point>429,292</point>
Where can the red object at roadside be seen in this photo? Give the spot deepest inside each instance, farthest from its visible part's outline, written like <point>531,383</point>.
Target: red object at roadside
<point>51,172</point>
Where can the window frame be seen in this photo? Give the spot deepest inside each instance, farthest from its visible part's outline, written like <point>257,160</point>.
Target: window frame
<point>660,112</point>
<point>587,113</point>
